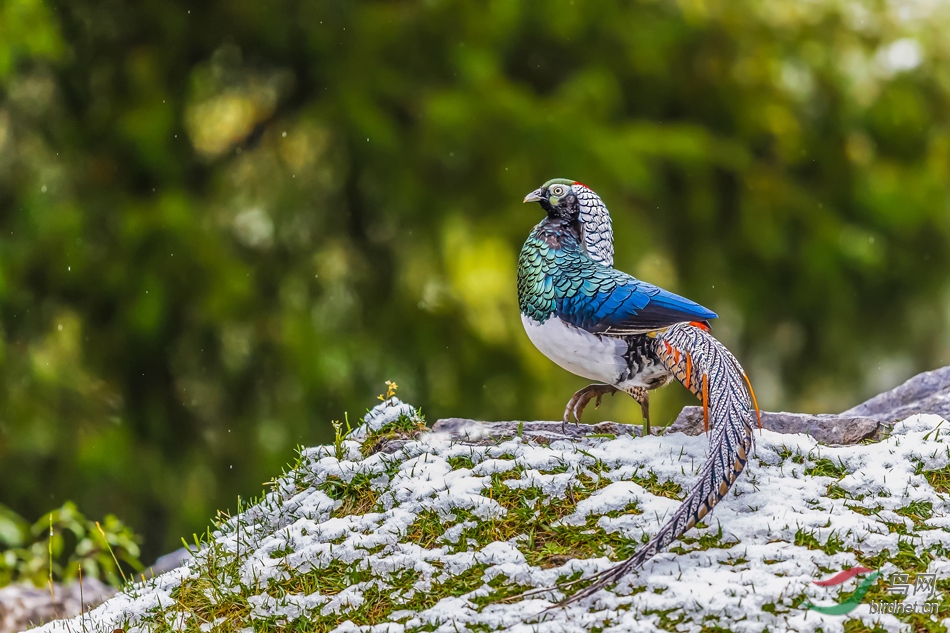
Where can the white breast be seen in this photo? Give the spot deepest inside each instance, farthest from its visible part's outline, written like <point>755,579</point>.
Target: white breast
<point>591,356</point>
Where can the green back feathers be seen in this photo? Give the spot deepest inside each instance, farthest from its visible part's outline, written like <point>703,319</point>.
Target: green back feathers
<point>535,285</point>
<point>553,267</point>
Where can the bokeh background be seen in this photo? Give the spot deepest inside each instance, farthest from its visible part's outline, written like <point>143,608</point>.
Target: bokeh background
<point>224,224</point>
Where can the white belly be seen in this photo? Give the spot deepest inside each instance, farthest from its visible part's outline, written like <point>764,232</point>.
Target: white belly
<point>591,356</point>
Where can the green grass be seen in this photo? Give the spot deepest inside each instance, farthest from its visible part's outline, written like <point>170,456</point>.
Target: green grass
<point>705,541</point>
<point>826,468</point>
<point>355,496</point>
<point>669,489</point>
<point>427,529</point>
<point>532,520</point>
<point>502,512</point>
<point>528,516</point>
<point>908,561</point>
<point>203,598</point>
<point>832,545</point>
<point>461,461</point>
<point>917,511</point>
<point>939,479</point>
<point>402,428</point>
<point>835,491</point>
<point>528,519</point>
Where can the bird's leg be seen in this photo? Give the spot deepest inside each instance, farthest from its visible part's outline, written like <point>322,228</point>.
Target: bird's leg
<point>641,395</point>
<point>580,399</point>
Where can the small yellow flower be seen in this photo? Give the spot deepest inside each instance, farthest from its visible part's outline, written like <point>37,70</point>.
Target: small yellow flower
<point>390,391</point>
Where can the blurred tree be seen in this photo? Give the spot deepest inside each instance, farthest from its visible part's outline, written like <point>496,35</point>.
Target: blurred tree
<point>226,223</point>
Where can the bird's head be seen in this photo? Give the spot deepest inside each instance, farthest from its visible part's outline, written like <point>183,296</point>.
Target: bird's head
<point>558,197</point>
<point>574,201</point>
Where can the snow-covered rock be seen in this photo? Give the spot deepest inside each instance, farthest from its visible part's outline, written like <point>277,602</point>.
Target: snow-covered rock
<point>438,534</point>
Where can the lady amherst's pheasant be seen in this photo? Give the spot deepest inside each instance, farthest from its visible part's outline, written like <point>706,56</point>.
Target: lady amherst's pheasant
<point>604,325</point>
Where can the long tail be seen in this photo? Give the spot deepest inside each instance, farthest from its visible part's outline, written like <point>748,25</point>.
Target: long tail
<point>712,373</point>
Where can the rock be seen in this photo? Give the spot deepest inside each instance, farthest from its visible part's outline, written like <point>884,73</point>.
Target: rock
<point>391,446</point>
<point>454,513</point>
<point>826,428</point>
<point>170,561</point>
<point>482,433</point>
<point>23,605</point>
<point>928,392</point>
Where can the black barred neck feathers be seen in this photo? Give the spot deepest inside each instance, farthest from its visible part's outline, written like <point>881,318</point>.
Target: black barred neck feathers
<point>563,196</point>
<point>596,230</point>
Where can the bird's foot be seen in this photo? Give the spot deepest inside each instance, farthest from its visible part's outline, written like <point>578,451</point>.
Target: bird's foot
<point>579,401</point>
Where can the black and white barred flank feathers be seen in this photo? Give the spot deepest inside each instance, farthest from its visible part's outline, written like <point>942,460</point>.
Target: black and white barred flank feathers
<point>704,366</point>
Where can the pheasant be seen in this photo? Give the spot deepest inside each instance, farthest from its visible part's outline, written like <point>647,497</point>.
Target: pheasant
<point>605,325</point>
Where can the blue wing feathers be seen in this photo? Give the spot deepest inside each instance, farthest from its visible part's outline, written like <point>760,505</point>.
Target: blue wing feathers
<point>620,302</point>
<point>563,280</point>
<point>668,300</point>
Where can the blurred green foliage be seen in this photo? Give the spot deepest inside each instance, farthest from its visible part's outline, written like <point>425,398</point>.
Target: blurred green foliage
<point>226,223</point>
<point>61,543</point>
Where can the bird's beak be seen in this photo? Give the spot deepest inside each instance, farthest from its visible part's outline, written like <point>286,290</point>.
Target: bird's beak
<point>534,196</point>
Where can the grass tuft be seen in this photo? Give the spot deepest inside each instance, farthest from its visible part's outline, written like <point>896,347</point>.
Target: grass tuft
<point>826,468</point>
<point>405,427</point>
<point>939,479</point>
<point>357,496</point>
<point>669,489</point>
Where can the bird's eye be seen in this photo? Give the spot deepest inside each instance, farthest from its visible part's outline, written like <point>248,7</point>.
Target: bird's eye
<point>557,190</point>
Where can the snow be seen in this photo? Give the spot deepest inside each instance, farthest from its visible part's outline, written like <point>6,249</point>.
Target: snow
<point>756,563</point>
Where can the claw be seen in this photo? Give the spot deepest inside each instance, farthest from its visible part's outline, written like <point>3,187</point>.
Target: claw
<point>581,398</point>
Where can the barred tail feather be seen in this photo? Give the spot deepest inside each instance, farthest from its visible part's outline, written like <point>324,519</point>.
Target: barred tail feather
<point>710,371</point>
